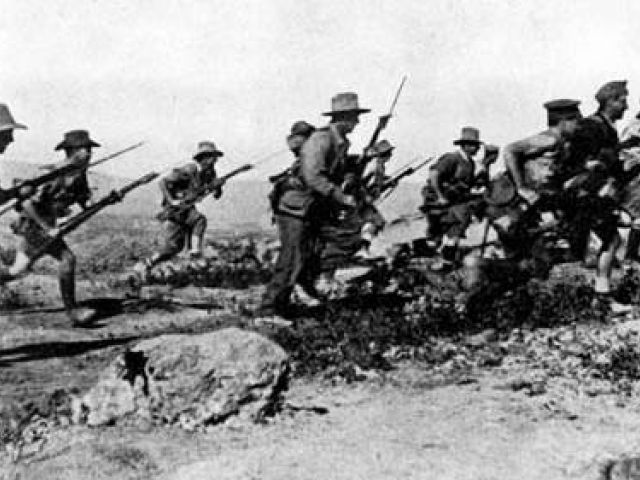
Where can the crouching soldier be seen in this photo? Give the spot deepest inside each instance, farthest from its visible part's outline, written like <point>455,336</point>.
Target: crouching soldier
<point>39,214</point>
<point>447,197</point>
<point>521,206</point>
<point>302,210</point>
<point>184,225</point>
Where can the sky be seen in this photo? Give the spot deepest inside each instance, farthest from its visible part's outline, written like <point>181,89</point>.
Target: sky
<point>240,72</point>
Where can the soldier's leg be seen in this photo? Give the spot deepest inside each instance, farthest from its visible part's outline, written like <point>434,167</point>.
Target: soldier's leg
<point>610,242</point>
<point>174,237</point>
<point>290,263</point>
<point>633,244</point>
<point>197,224</point>
<point>31,239</point>
<point>457,222</point>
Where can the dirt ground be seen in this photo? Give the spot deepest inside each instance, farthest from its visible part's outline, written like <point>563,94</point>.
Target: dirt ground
<point>404,423</point>
<point>407,420</point>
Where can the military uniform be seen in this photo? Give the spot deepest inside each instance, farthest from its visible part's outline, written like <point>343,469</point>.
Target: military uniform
<point>40,214</point>
<point>302,210</point>
<point>184,183</point>
<point>314,200</point>
<point>7,126</point>
<point>586,208</point>
<point>457,176</point>
<point>51,202</point>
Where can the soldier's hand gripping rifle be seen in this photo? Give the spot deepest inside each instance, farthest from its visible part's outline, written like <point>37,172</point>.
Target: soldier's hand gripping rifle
<point>19,192</point>
<point>201,193</point>
<point>74,222</point>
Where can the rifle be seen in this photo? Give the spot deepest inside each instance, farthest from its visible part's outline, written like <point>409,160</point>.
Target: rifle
<point>383,120</point>
<point>201,193</point>
<point>74,222</point>
<point>391,184</point>
<point>14,193</point>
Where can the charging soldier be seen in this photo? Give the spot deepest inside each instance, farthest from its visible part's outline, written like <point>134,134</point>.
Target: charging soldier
<point>301,210</point>
<point>594,175</point>
<point>39,214</point>
<point>184,225</point>
<point>447,196</point>
<point>516,201</point>
<point>7,126</point>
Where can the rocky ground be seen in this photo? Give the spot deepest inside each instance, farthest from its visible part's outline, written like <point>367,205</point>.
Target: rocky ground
<point>387,384</point>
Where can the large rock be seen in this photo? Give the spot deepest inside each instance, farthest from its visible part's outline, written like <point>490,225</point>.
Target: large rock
<point>193,380</point>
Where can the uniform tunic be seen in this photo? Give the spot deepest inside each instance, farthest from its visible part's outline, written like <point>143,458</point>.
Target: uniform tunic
<point>456,175</point>
<point>185,183</point>
<point>302,211</point>
<point>51,202</point>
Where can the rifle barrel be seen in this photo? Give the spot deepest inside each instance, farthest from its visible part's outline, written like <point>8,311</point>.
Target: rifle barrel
<point>115,154</point>
<point>395,99</point>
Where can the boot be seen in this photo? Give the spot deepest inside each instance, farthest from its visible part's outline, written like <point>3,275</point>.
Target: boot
<point>79,316</point>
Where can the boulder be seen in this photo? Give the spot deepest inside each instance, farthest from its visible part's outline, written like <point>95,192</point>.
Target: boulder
<point>192,380</point>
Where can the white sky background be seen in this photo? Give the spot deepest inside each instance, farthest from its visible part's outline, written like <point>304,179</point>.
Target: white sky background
<point>240,72</point>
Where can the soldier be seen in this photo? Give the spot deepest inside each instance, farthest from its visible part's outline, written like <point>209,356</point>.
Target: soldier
<point>7,126</point>
<point>447,196</point>
<point>593,172</point>
<point>373,184</point>
<point>515,207</point>
<point>39,214</point>
<point>300,132</point>
<point>318,196</point>
<point>631,200</point>
<point>184,225</point>
<point>547,147</point>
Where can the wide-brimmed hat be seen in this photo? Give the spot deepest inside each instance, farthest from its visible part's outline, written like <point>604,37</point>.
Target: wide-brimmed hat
<point>468,135</point>
<point>207,148</point>
<point>6,119</point>
<point>345,103</point>
<point>383,147</point>
<point>76,139</point>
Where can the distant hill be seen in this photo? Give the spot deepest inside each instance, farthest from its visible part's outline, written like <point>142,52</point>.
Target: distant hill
<point>243,206</point>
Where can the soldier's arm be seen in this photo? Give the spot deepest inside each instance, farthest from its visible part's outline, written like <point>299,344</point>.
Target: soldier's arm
<point>441,173</point>
<point>313,168</point>
<point>517,153</point>
<point>29,209</point>
<point>84,192</point>
<point>166,192</point>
